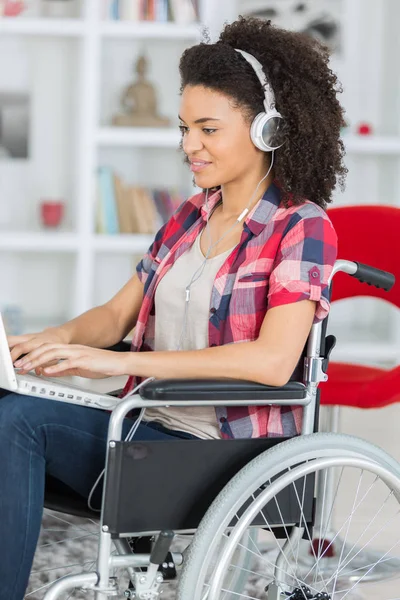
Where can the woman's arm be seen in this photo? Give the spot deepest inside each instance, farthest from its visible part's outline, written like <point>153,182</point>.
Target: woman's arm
<point>271,359</point>
<point>106,325</point>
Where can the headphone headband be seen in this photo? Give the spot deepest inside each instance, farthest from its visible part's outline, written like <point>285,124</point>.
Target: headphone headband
<point>266,129</point>
<point>269,102</point>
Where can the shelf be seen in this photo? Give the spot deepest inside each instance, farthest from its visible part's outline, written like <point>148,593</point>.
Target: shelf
<point>170,138</point>
<point>40,27</point>
<point>358,144</point>
<point>124,243</point>
<point>139,136</point>
<point>69,242</point>
<point>149,30</point>
<point>22,241</point>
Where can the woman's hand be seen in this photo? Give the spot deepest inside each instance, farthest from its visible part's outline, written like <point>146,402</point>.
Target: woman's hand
<point>25,344</point>
<point>81,361</point>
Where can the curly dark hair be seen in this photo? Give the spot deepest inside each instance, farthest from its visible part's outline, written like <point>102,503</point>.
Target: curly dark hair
<point>310,162</point>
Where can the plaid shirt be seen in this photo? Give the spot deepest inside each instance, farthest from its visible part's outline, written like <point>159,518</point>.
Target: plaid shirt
<point>284,255</point>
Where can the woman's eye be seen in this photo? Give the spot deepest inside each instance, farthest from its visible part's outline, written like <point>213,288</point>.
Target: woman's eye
<point>183,129</point>
<point>208,131</point>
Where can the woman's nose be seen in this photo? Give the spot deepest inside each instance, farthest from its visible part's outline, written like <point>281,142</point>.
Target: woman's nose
<point>191,142</point>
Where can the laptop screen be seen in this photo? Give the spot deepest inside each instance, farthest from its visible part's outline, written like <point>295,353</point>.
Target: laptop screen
<point>7,374</point>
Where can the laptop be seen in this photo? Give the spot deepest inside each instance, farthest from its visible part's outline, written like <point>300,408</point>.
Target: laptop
<point>43,387</point>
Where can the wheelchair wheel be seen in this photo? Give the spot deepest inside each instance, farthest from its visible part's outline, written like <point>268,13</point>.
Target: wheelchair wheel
<point>278,488</point>
<point>67,545</point>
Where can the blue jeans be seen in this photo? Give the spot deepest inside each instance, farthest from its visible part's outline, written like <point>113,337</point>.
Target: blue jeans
<point>39,436</point>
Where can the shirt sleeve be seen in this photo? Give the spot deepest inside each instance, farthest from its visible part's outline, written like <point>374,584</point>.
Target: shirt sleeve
<point>143,268</point>
<point>158,250</point>
<point>303,265</point>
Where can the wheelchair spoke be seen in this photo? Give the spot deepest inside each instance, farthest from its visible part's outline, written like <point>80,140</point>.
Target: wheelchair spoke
<point>68,546</point>
<point>328,520</point>
<point>80,564</point>
<point>348,527</point>
<point>303,518</point>
<point>289,540</point>
<point>239,595</point>
<point>70,523</point>
<point>280,549</point>
<point>342,566</point>
<point>70,539</point>
<point>365,530</point>
<point>345,523</point>
<point>367,572</point>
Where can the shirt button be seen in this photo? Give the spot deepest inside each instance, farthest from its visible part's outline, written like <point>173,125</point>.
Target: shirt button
<point>213,310</point>
<point>314,274</point>
<point>222,420</point>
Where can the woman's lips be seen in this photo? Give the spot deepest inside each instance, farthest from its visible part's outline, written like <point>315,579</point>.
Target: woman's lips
<point>198,165</point>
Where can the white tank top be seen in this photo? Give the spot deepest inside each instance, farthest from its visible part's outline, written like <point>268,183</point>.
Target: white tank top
<point>169,310</point>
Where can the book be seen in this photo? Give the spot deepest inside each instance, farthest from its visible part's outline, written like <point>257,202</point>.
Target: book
<point>153,219</point>
<point>100,219</point>
<point>123,207</point>
<point>107,199</point>
<point>160,205</point>
<point>129,10</point>
<point>183,11</point>
<point>136,212</point>
<point>161,13</point>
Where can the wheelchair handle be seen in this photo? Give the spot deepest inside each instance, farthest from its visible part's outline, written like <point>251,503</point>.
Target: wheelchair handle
<point>365,274</point>
<point>373,276</point>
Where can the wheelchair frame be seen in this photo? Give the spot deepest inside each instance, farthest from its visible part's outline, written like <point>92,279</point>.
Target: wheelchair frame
<point>148,583</point>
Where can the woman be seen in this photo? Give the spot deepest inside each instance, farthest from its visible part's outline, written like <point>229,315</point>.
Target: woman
<point>247,260</point>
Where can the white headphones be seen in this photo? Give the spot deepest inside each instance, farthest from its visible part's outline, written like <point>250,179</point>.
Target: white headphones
<point>265,131</point>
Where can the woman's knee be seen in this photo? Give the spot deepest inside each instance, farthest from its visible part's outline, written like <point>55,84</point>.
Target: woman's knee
<point>17,410</point>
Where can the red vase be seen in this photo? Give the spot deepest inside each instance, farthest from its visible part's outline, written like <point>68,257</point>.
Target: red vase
<point>52,212</point>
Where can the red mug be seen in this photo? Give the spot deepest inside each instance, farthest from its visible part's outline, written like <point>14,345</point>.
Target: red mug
<point>52,212</point>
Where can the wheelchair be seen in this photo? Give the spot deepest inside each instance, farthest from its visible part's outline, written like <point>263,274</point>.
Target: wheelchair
<point>244,518</point>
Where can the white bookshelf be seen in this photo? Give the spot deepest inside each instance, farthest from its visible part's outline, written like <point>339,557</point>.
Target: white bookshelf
<point>147,30</point>
<point>369,79</point>
<point>42,27</point>
<point>122,244</point>
<point>143,137</point>
<point>39,242</point>
<point>372,145</point>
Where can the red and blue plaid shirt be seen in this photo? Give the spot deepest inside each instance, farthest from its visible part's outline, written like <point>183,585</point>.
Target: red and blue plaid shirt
<point>284,255</point>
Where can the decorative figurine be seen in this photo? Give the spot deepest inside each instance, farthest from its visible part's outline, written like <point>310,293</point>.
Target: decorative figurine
<point>140,103</point>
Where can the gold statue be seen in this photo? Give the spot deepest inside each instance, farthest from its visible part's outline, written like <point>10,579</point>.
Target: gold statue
<point>140,103</point>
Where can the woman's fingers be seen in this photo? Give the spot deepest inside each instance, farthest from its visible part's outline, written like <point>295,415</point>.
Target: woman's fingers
<point>39,370</point>
<point>74,360</point>
<point>21,345</point>
<point>13,340</point>
<point>41,355</point>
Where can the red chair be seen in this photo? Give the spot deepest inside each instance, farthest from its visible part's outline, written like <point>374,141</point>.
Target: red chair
<point>370,235</point>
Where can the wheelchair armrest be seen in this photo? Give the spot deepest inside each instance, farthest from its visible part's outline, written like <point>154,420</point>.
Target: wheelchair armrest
<point>219,389</point>
<point>212,389</point>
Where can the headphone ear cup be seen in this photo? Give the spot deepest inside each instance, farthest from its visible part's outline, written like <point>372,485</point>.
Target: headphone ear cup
<point>265,131</point>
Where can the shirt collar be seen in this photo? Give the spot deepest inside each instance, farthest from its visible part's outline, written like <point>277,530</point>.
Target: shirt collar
<point>213,198</point>
<point>259,215</point>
